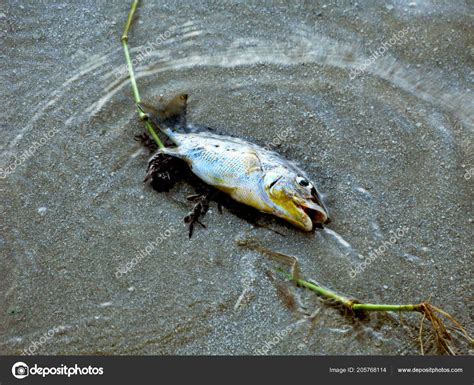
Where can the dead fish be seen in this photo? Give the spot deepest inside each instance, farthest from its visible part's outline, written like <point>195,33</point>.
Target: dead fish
<point>249,173</point>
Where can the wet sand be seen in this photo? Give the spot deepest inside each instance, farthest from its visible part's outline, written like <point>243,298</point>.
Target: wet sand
<point>388,141</point>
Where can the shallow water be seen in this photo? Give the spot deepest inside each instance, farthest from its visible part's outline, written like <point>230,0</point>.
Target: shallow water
<point>391,149</point>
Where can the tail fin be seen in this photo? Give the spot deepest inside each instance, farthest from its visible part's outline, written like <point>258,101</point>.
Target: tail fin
<point>169,118</point>
<point>172,114</point>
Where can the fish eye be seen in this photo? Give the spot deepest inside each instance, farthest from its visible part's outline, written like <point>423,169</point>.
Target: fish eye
<point>302,181</point>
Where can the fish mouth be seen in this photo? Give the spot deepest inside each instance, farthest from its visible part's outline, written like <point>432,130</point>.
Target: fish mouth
<point>312,213</point>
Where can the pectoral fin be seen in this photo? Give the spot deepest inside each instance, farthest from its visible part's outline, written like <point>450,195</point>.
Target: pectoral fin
<point>252,161</point>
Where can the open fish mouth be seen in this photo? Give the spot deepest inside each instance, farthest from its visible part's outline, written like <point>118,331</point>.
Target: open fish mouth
<point>314,212</point>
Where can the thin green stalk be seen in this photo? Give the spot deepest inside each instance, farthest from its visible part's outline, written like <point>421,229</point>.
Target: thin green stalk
<point>350,303</point>
<point>428,311</point>
<point>384,307</point>
<point>133,81</point>
<point>323,291</point>
<point>319,289</point>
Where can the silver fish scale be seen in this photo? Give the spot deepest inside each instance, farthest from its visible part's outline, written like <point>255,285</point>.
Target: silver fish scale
<point>218,161</point>
<point>229,152</point>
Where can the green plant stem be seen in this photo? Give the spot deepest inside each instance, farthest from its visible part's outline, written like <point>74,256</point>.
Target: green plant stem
<point>133,81</point>
<point>428,311</point>
<point>350,303</point>
<point>384,307</point>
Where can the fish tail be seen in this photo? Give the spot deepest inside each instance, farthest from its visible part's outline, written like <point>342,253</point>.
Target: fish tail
<point>170,118</point>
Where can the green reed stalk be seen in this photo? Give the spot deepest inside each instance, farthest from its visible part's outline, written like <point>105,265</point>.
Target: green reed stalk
<point>136,94</point>
<point>350,303</point>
